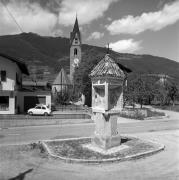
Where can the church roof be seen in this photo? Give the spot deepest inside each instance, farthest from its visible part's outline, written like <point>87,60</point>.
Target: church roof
<point>75,30</point>
<point>76,27</point>
<point>61,78</point>
<point>107,67</point>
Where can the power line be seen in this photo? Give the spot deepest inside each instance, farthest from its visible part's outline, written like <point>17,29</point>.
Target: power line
<point>13,18</point>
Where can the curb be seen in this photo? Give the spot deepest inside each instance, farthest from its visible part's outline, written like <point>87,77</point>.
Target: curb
<point>111,160</point>
<point>157,117</point>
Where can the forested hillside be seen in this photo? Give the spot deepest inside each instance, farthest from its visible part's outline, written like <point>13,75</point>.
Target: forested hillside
<point>46,55</point>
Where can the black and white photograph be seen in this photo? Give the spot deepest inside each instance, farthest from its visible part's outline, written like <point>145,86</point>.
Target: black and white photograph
<point>89,89</point>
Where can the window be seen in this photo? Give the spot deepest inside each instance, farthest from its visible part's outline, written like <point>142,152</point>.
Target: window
<point>76,40</point>
<point>75,51</point>
<point>38,107</point>
<point>43,108</point>
<point>4,103</point>
<point>3,76</point>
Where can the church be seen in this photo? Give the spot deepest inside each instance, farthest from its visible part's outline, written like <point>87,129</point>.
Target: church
<point>63,81</point>
<point>75,49</point>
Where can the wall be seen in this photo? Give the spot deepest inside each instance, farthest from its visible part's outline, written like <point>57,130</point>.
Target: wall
<point>11,69</point>
<point>9,87</point>
<point>11,109</point>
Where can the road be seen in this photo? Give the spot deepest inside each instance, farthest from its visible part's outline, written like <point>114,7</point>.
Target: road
<point>30,134</point>
<point>160,166</point>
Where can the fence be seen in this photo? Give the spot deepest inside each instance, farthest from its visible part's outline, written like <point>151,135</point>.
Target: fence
<point>72,108</point>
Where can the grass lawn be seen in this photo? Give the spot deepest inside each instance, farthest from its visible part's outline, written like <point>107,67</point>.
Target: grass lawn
<point>75,148</point>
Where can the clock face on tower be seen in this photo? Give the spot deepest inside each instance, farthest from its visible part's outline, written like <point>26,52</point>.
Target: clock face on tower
<point>76,62</point>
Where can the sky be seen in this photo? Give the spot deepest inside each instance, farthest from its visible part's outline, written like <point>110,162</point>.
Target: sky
<point>129,26</point>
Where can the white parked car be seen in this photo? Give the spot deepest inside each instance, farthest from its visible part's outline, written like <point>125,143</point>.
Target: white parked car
<point>40,109</point>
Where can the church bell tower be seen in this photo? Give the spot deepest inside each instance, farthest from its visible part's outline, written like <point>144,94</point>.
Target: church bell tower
<point>75,49</point>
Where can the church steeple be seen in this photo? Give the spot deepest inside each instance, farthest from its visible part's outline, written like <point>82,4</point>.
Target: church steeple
<point>76,27</point>
<point>75,31</point>
<point>75,49</point>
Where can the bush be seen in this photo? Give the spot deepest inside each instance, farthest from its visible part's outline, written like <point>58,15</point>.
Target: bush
<point>140,114</point>
<point>154,113</point>
<point>133,114</point>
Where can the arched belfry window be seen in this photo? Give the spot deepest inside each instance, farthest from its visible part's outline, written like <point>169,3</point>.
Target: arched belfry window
<point>76,40</point>
<point>75,51</point>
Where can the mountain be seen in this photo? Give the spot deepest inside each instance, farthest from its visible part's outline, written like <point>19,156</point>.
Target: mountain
<point>45,56</point>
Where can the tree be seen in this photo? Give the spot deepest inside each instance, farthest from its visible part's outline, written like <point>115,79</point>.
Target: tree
<point>166,92</point>
<point>150,88</point>
<point>82,80</point>
<point>61,97</point>
<point>129,94</point>
<point>140,89</point>
<point>173,92</point>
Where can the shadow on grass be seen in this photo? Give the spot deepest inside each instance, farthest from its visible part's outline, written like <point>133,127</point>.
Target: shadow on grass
<point>21,176</point>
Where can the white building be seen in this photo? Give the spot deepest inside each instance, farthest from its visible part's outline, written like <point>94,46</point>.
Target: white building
<point>13,98</point>
<point>11,70</point>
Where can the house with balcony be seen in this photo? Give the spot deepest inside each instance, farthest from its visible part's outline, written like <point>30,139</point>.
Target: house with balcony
<point>15,97</point>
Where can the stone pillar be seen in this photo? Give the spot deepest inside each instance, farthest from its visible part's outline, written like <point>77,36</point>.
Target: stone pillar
<point>107,101</point>
<point>106,135</point>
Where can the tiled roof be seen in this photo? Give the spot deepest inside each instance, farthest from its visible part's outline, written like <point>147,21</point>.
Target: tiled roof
<point>20,63</point>
<point>107,67</point>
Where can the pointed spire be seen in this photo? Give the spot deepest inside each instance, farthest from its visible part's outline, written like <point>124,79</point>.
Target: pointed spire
<point>76,27</point>
<point>75,31</point>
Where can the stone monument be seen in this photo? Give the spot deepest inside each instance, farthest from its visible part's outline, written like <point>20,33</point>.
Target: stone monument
<point>107,101</point>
